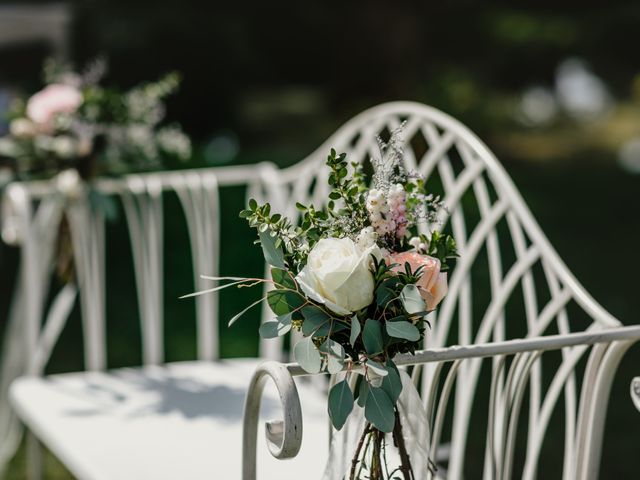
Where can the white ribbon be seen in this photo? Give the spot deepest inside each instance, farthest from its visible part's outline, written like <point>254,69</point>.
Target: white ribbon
<point>13,205</point>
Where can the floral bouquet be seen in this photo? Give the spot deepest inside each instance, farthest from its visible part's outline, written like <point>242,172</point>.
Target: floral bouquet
<point>75,123</point>
<point>76,130</point>
<point>358,282</point>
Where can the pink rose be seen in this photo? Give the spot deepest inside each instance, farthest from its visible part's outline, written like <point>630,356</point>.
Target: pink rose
<point>56,98</point>
<point>432,283</point>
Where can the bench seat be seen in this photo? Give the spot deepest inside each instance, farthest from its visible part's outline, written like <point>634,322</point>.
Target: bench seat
<point>176,421</point>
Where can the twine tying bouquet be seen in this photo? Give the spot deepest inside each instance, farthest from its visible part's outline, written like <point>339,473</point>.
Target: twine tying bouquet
<point>357,281</point>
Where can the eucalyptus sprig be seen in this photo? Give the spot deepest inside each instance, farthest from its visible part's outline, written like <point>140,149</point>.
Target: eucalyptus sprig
<point>276,233</point>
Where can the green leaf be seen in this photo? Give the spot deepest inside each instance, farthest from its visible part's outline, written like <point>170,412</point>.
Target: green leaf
<point>307,355</point>
<point>283,278</point>
<point>384,295</point>
<point>315,320</point>
<point>340,404</point>
<point>272,254</point>
<point>392,384</point>
<point>403,329</point>
<point>377,367</point>
<point>372,337</point>
<point>276,328</point>
<point>282,302</point>
<point>335,355</point>
<point>355,330</point>
<point>103,203</point>
<point>253,204</point>
<point>411,299</point>
<point>379,410</point>
<point>363,391</point>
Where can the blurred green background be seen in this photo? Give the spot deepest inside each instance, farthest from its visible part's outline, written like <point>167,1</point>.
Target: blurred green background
<point>553,89</point>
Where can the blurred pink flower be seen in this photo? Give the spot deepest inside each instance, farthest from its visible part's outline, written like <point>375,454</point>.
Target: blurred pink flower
<point>56,98</point>
<point>432,284</point>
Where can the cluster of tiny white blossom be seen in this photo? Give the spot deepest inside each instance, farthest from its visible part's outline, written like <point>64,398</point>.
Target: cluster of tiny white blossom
<point>387,212</point>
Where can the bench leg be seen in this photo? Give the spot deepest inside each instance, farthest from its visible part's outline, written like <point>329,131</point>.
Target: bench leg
<point>34,457</point>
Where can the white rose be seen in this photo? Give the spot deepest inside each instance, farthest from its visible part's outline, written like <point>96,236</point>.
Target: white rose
<point>338,275</point>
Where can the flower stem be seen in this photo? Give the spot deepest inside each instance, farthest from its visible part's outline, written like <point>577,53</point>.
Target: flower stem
<point>405,467</point>
<point>354,461</point>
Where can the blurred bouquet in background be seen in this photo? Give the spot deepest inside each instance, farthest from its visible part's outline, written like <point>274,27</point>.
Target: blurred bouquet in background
<point>76,123</point>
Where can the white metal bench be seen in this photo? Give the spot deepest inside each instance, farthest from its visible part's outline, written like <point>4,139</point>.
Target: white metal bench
<point>501,246</point>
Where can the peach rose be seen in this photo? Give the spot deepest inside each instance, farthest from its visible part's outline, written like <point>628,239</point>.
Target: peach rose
<point>432,283</point>
<point>56,98</point>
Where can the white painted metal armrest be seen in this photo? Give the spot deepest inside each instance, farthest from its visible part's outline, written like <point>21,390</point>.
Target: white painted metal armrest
<point>635,392</point>
<point>284,438</point>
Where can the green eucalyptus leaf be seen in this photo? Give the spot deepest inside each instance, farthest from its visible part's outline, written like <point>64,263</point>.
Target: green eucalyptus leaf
<point>411,299</point>
<point>103,203</point>
<point>307,355</point>
<point>377,367</point>
<point>363,391</point>
<point>340,404</point>
<point>282,302</point>
<point>355,330</point>
<point>338,327</point>
<point>315,320</point>
<point>379,410</point>
<point>272,255</point>
<point>384,295</point>
<point>372,337</point>
<point>403,329</point>
<point>335,355</point>
<point>283,278</point>
<point>276,328</point>
<point>392,384</point>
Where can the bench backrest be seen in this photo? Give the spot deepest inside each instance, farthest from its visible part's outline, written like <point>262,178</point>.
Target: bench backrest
<point>505,259</point>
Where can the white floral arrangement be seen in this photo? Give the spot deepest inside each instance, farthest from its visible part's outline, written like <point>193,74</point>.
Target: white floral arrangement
<point>358,282</point>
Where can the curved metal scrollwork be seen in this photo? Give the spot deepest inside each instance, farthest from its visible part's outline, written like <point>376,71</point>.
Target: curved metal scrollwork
<point>284,438</point>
